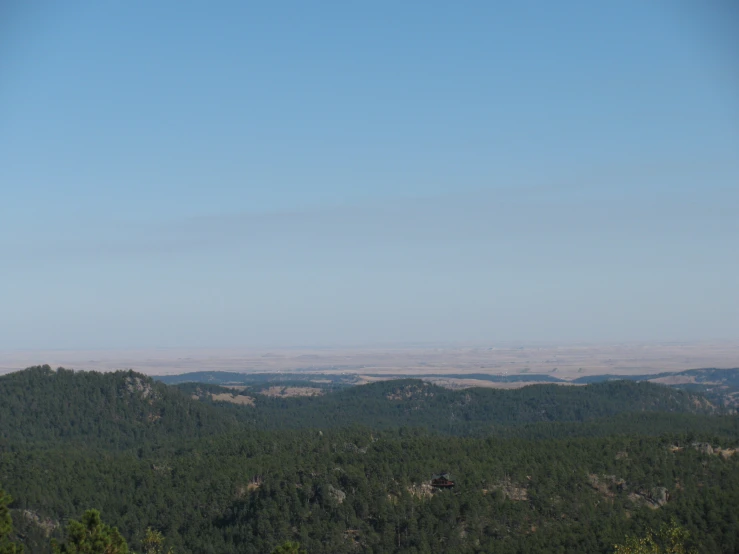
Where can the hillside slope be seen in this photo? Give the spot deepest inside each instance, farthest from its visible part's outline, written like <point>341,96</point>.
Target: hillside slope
<point>40,405</point>
<point>349,491</point>
<point>720,386</point>
<point>544,468</point>
<point>124,409</point>
<point>415,403</point>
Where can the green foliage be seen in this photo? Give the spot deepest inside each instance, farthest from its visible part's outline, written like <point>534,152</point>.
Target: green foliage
<point>153,543</point>
<point>289,548</point>
<point>119,409</point>
<point>671,539</point>
<point>6,527</point>
<point>247,492</point>
<point>91,536</point>
<point>124,409</point>
<point>414,403</point>
<point>537,470</point>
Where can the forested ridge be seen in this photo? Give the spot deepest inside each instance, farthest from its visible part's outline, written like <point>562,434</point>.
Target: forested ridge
<point>540,469</point>
<point>409,402</point>
<point>119,409</point>
<point>719,386</point>
<point>123,408</point>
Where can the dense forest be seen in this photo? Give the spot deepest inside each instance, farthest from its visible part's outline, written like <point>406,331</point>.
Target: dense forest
<point>124,409</point>
<point>120,409</point>
<point>544,468</point>
<point>414,403</point>
<point>719,386</point>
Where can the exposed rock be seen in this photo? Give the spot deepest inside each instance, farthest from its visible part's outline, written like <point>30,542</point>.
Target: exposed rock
<point>48,525</point>
<point>726,452</point>
<point>703,447</point>
<point>424,490</point>
<point>512,491</point>
<point>253,484</point>
<point>606,484</point>
<point>706,448</point>
<point>410,392</point>
<point>338,495</point>
<point>138,385</point>
<point>351,447</point>
<point>161,468</point>
<point>655,498</point>
<point>659,496</point>
<point>353,536</point>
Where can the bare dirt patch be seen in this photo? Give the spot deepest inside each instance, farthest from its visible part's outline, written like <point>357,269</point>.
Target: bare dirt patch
<point>422,491</point>
<point>606,484</point>
<point>675,380</point>
<point>291,391</point>
<point>233,398</point>
<point>510,490</point>
<point>455,383</point>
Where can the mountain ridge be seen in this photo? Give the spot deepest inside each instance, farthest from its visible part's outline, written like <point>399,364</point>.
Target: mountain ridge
<point>120,408</point>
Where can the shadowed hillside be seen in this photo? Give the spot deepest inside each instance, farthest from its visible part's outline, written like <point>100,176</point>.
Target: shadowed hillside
<point>414,403</point>
<point>123,408</point>
<point>119,409</point>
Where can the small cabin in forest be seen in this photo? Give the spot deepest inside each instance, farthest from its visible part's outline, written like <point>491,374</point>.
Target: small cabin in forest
<point>442,481</point>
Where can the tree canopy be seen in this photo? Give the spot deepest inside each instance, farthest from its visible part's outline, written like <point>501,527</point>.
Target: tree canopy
<point>6,526</point>
<point>91,536</point>
<point>562,472</point>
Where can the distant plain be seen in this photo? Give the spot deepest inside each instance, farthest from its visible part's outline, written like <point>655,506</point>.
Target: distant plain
<point>566,361</point>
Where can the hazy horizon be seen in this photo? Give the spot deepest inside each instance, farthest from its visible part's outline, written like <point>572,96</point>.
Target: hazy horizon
<point>255,177</point>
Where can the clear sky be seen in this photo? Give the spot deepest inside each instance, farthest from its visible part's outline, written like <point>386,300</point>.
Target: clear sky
<point>232,174</point>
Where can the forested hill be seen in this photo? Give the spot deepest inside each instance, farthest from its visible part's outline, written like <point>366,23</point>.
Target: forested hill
<point>720,386</point>
<point>415,403</point>
<point>214,474</point>
<point>124,408</point>
<point>120,409</point>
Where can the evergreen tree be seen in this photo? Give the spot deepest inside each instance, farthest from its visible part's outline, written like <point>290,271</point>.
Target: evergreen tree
<point>6,526</point>
<point>91,536</point>
<point>289,548</point>
<point>671,539</point>
<point>153,543</point>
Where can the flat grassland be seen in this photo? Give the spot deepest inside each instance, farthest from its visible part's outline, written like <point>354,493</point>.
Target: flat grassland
<point>371,363</point>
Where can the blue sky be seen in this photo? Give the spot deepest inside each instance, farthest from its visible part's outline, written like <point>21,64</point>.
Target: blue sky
<point>180,174</point>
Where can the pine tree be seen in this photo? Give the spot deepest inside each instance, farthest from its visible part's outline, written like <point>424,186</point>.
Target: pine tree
<point>289,548</point>
<point>91,536</point>
<point>6,526</point>
<point>153,543</point>
<point>671,539</point>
